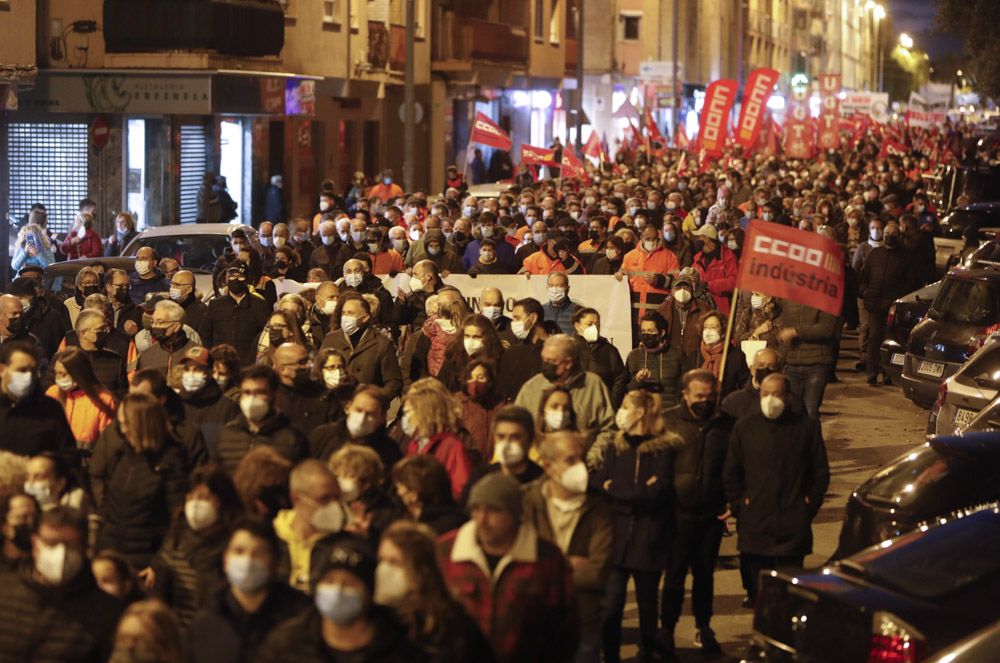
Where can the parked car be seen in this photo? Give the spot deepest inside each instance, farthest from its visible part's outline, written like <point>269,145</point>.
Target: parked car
<point>60,277</point>
<point>193,245</point>
<point>946,473</point>
<point>902,600</point>
<point>965,394</point>
<point>958,223</point>
<point>983,645</point>
<point>964,314</point>
<point>904,314</point>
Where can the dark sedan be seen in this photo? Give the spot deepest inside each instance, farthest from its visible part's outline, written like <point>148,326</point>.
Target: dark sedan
<point>904,314</point>
<point>965,222</point>
<point>942,475</point>
<point>900,601</point>
<point>965,312</point>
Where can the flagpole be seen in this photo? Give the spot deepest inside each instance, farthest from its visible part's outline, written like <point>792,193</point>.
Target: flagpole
<point>725,348</point>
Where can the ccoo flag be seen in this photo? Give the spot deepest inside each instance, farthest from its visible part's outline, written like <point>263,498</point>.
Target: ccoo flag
<point>538,156</point>
<point>755,95</point>
<point>487,132</point>
<point>794,264</point>
<point>719,100</point>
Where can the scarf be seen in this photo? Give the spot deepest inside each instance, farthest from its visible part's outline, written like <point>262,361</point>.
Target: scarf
<point>712,356</point>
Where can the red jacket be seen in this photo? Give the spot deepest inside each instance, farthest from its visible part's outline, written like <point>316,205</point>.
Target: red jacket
<point>449,449</point>
<point>719,276</point>
<point>89,247</point>
<point>525,607</point>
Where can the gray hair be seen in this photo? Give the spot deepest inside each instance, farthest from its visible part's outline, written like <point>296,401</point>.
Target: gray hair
<point>173,310</point>
<point>564,343</point>
<point>87,316</point>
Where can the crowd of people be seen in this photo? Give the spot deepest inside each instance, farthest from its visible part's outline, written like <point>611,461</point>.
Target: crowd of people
<point>300,466</point>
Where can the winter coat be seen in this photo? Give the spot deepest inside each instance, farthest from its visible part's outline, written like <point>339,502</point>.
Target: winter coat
<point>139,288</point>
<point>223,633</point>
<point>276,430</point>
<point>592,539</point>
<point>189,567</point>
<point>209,410</point>
<point>591,402</point>
<point>817,335</point>
<point>141,492</point>
<point>697,463</point>
<point>159,357</point>
<point>45,323</point>
<point>665,369</point>
<point>532,577</point>
<point>74,623</point>
<point>686,335</point>
<point>641,510</point>
<point>519,363</point>
<point>371,361</point>
<point>331,259</point>
<point>308,406</point>
<point>194,311</point>
<point>34,425</point>
<point>449,449</point>
<point>776,475</point>
<point>300,640</point>
<point>85,418</point>
<point>885,278</point>
<point>746,401</point>
<point>477,419</point>
<point>329,438</point>
<point>235,323</point>
<point>719,275</point>
<point>88,247</point>
<point>605,361</point>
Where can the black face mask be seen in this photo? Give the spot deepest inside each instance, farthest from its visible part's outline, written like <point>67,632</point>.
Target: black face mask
<point>238,287</point>
<point>280,267</point>
<point>458,238</point>
<point>594,236</point>
<point>650,340</point>
<point>302,378</point>
<point>22,537</point>
<point>102,338</point>
<point>159,333</point>
<point>275,337</point>
<point>891,242</point>
<point>88,290</point>
<point>760,373</point>
<point>550,371</point>
<point>121,295</point>
<point>703,409</point>
<point>15,325</point>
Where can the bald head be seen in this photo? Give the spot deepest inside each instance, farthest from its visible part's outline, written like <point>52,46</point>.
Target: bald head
<point>10,307</point>
<point>491,297</point>
<point>775,384</point>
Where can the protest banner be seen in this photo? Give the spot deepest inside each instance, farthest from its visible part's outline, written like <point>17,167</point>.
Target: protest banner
<point>758,90</point>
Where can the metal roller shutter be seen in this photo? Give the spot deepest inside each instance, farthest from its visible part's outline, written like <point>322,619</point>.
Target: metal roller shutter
<point>194,163</point>
<point>48,165</point>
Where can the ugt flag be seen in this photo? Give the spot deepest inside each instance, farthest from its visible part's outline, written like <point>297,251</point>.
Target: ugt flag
<point>794,264</point>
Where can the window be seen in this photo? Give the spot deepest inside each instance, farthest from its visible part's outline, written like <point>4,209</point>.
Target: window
<point>48,165</point>
<point>554,23</point>
<point>194,163</point>
<point>539,19</point>
<point>330,11</point>
<point>630,26</point>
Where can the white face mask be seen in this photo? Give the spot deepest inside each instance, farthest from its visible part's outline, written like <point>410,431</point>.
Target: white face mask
<point>20,384</point>
<point>333,377</point>
<point>557,295</point>
<point>246,574</point>
<point>682,295</point>
<point>58,563</point>
<point>407,425</point>
<point>40,490</point>
<point>574,478</point>
<point>711,336</point>
<point>280,241</point>
<point>254,408</point>
<point>391,584</point>
<point>624,419</point>
<point>756,301</point>
<point>329,518</point>
<point>771,406</point>
<point>194,381</point>
<point>649,245</point>
<point>556,419</point>
<point>349,489</point>
<point>519,329</point>
<point>416,285</point>
<point>142,267</point>
<point>200,514</point>
<point>509,453</point>
<point>492,312</point>
<point>360,424</point>
<point>590,333</point>
<point>66,384</point>
<point>472,345</point>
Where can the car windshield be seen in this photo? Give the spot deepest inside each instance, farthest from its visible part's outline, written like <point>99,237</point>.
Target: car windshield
<point>983,368</point>
<point>191,251</point>
<point>967,301</point>
<point>903,480</point>
<point>987,254</point>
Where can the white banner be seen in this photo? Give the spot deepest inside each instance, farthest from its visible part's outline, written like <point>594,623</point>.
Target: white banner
<point>606,294</point>
<point>873,104</point>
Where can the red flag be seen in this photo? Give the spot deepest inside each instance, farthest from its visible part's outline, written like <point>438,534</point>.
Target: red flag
<point>593,148</point>
<point>798,129</point>
<point>755,95</point>
<point>653,131</point>
<point>681,140</point>
<point>538,156</point>
<point>571,165</point>
<point>828,133</point>
<point>892,148</point>
<point>487,132</point>
<point>719,100</point>
<point>794,264</point>
<point>626,111</point>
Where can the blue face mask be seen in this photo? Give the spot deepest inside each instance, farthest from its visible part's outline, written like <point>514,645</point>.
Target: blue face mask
<point>341,605</point>
<point>387,181</point>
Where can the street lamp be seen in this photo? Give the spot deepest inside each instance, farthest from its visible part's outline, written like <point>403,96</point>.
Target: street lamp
<point>878,13</point>
<point>906,41</point>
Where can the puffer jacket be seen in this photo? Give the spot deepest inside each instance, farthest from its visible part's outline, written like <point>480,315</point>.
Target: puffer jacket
<point>189,567</point>
<point>236,440</point>
<point>697,480</point>
<point>641,510</point>
<point>208,410</point>
<point>885,278</point>
<point>440,339</point>
<point>817,335</point>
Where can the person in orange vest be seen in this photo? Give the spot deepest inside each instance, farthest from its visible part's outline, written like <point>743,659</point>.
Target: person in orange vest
<point>650,268</point>
<point>554,256</point>
<point>386,189</point>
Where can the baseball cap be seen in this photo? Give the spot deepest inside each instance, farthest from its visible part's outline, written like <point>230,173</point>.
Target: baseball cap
<point>707,230</point>
<point>197,354</point>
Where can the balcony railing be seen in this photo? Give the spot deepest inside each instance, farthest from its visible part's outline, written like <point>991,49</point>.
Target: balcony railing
<point>475,39</point>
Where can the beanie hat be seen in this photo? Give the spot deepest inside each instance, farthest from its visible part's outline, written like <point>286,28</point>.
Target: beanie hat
<point>498,491</point>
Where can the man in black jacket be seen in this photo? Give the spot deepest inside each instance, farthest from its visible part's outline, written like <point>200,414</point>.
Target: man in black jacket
<point>55,611</point>
<point>31,423</point>
<point>39,319</point>
<point>331,255</point>
<point>299,396</point>
<point>363,423</point>
<point>884,278</point>
<point>371,356</point>
<point>699,503</point>
<point>775,475</point>
<point>205,406</point>
<point>237,318</point>
<point>182,291</point>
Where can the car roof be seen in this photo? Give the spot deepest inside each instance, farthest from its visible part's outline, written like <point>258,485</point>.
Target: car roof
<point>974,273</point>
<point>983,445</point>
<point>193,229</point>
<point>988,206</point>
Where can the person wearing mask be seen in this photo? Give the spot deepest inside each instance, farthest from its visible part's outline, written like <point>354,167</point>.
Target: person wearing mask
<point>30,422</point>
<point>330,371</point>
<point>440,330</point>
<point>875,237</point>
<point>677,242</point>
<point>710,353</point>
<point>89,407</point>
<point>423,486</point>
<point>657,363</point>
<point>371,355</point>
<point>87,283</point>
<point>563,513</point>
<point>491,230</point>
<point>596,243</point>
<point>116,577</point>
<point>346,621</point>
<point>699,507</point>
<point>125,315</point>
<point>138,484</point>
<point>491,305</point>
<point>226,369</point>
<point>361,477</point>
<point>171,341</point>
<point>650,268</point>
<point>523,359</point>
<point>537,230</point>
<point>555,413</point>
<point>590,397</point>
<point>259,422</point>
<point>479,403</point>
<point>807,340</point>
<point>316,512</point>
<point>430,425</point>
<point>742,402</point>
<point>635,476</point>
<point>716,266</point>
<point>775,476</point>
<point>332,252</point>
<point>154,383</point>
<point>598,356</point>
<point>321,312</point>
<point>609,261</point>
<point>82,241</point>
<point>51,483</point>
<point>205,406</point>
<point>446,256</point>
<point>559,309</point>
<point>53,301</point>
<point>885,277</point>
<point>487,262</point>
<point>364,424</point>
<point>498,560</point>
<point>38,318</point>
<point>19,516</point>
<point>147,277</point>
<point>755,316</point>
<point>236,619</point>
<point>187,569</point>
<point>301,398</point>
<point>235,318</point>
<point>282,327</point>
<point>59,592</point>
<point>182,291</point>
<point>511,442</point>
<point>359,280</point>
<point>384,258</point>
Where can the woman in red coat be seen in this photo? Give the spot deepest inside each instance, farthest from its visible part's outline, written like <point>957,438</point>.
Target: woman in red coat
<point>717,267</point>
<point>430,421</point>
<point>82,241</point>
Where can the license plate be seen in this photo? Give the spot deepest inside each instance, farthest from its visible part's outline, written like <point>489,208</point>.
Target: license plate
<point>964,417</point>
<point>897,359</point>
<point>931,368</point>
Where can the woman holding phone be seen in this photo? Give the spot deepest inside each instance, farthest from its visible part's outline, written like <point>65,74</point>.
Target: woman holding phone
<point>33,248</point>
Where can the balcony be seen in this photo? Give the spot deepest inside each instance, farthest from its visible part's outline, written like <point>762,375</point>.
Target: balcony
<point>378,44</point>
<point>466,40</point>
<point>572,50</point>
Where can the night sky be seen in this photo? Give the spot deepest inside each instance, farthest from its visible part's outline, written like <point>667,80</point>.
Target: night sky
<point>916,17</point>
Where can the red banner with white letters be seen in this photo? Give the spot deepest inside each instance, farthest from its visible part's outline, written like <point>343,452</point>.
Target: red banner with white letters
<point>538,156</point>
<point>571,165</point>
<point>719,100</point>
<point>828,128</point>
<point>798,130</point>
<point>755,95</point>
<point>486,132</point>
<point>798,265</point>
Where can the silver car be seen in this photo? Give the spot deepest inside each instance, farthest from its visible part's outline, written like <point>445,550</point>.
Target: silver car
<point>968,392</point>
